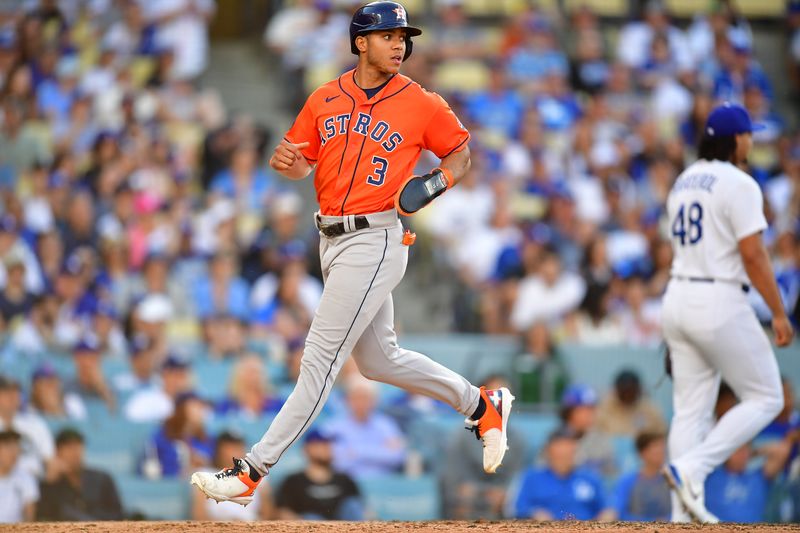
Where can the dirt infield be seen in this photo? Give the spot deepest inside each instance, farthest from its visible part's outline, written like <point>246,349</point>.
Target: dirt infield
<point>384,527</point>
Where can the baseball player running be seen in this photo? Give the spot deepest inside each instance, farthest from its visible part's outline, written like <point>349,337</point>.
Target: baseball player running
<point>362,133</point>
<point>716,218</point>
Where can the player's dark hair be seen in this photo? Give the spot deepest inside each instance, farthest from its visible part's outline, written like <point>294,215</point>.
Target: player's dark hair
<point>721,148</point>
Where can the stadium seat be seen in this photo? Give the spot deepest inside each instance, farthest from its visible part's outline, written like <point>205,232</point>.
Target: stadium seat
<point>397,497</point>
<point>473,356</point>
<point>534,428</point>
<point>250,429</point>
<point>429,435</point>
<point>164,499</point>
<point>687,8</point>
<point>762,8</point>
<point>599,366</point>
<point>115,444</point>
<point>211,378</point>
<point>604,8</point>
<point>462,76</point>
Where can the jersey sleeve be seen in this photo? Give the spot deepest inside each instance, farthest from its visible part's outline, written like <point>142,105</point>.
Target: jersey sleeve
<point>746,211</point>
<point>305,129</point>
<point>444,133</point>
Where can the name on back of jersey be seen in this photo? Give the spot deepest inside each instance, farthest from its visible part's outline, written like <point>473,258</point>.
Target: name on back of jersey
<point>380,132</point>
<point>702,181</point>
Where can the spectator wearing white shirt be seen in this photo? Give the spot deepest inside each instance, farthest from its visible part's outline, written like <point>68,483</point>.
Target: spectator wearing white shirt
<point>157,402</point>
<point>593,325</point>
<point>18,487</point>
<point>456,217</point>
<point>11,243</point>
<point>548,295</point>
<point>47,397</point>
<point>640,317</point>
<point>35,334</point>
<point>183,28</point>
<point>36,441</point>
<point>130,36</point>
<point>477,252</point>
<point>144,357</point>
<point>635,38</point>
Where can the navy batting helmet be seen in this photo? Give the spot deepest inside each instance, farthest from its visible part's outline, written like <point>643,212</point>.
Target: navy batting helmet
<point>381,16</point>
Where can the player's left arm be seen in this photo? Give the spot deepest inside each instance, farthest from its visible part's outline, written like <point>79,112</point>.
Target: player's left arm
<point>446,137</point>
<point>419,191</point>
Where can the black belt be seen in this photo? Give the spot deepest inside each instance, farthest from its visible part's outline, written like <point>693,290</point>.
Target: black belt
<point>337,228</point>
<point>745,287</point>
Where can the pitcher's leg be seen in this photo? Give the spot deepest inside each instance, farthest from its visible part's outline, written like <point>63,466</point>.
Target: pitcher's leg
<point>379,358</point>
<point>695,388</point>
<point>695,385</point>
<point>744,356</point>
<point>354,290</point>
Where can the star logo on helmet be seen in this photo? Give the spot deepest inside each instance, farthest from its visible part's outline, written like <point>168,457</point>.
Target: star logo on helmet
<point>401,13</point>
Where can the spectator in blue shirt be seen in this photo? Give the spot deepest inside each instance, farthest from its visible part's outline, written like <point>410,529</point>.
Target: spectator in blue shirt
<point>739,70</point>
<point>643,495</point>
<point>250,393</point>
<point>223,291</point>
<point>537,56</point>
<point>243,182</point>
<point>180,445</point>
<point>559,490</point>
<point>735,493</point>
<point>366,442</point>
<point>54,98</point>
<point>498,108</point>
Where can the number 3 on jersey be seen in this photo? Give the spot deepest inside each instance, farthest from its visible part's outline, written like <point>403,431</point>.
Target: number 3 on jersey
<point>691,217</point>
<point>380,171</point>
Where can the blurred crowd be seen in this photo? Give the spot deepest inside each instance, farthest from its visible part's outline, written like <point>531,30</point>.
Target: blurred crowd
<point>578,130</point>
<point>142,240</point>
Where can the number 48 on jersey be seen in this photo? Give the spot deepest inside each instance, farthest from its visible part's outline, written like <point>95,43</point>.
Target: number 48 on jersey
<point>688,224</point>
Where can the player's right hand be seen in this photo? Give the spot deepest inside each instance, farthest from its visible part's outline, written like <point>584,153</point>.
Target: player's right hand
<point>286,154</point>
<point>783,330</point>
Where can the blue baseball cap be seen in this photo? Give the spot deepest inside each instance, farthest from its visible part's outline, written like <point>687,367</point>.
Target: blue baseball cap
<point>576,395</point>
<point>186,396</point>
<point>44,371</point>
<point>87,344</point>
<point>315,435</point>
<point>728,120</point>
<point>175,362</point>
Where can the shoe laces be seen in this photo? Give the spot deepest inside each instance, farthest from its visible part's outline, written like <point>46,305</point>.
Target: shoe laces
<point>472,425</point>
<point>238,468</point>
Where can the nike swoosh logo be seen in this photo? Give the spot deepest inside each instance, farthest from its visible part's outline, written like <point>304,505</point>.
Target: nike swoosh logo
<point>331,98</point>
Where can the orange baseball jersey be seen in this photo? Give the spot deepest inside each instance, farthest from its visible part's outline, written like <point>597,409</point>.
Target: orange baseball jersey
<point>364,149</point>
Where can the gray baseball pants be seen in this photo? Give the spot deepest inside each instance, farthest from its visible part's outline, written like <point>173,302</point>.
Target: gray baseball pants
<point>356,315</point>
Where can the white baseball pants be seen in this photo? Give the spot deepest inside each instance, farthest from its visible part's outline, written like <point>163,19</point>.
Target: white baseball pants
<point>360,270</point>
<point>712,333</point>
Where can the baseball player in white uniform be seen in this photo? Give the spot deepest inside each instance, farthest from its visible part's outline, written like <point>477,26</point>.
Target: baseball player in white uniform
<point>716,218</point>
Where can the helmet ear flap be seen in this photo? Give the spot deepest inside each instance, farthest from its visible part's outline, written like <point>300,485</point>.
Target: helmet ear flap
<point>409,47</point>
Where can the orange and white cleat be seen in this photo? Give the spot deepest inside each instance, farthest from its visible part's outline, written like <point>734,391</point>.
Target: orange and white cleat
<point>228,485</point>
<point>491,427</point>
